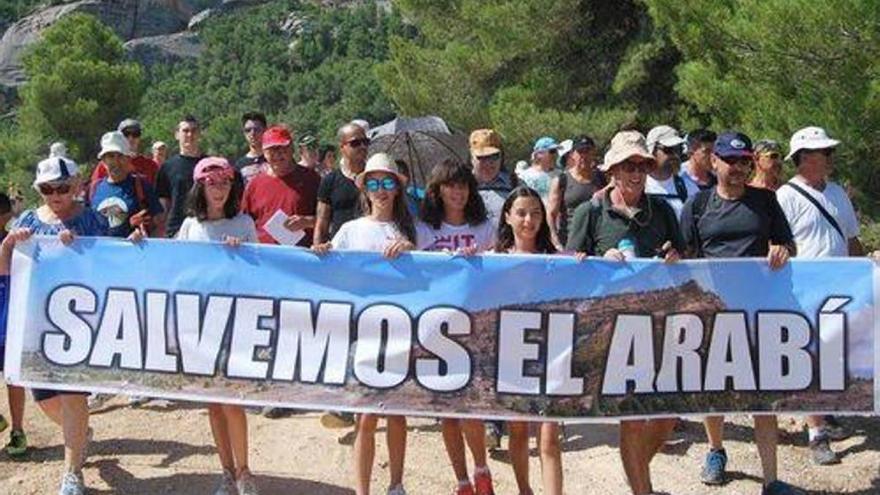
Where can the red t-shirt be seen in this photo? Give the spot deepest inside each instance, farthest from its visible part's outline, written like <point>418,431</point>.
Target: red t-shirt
<point>295,194</point>
<point>140,165</point>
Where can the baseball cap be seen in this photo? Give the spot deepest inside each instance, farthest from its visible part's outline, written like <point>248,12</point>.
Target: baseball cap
<point>380,162</point>
<point>577,143</point>
<point>485,142</point>
<point>663,135</point>
<point>128,124</point>
<point>545,143</point>
<point>276,136</point>
<point>308,141</point>
<point>625,145</point>
<point>58,148</point>
<point>114,142</point>
<point>766,146</point>
<point>213,167</point>
<point>810,138</point>
<point>54,169</point>
<point>733,144</point>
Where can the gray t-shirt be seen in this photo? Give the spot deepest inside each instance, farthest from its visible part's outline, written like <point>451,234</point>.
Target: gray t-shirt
<point>240,226</point>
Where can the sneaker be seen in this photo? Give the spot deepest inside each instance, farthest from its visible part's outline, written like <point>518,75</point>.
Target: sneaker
<point>464,490</point>
<point>3,424</point>
<point>781,488</point>
<point>72,484</point>
<point>275,412</point>
<point>396,490</point>
<point>334,420</point>
<point>834,430</point>
<point>714,468</point>
<point>483,483</point>
<point>227,484</point>
<point>822,453</point>
<point>246,485</point>
<point>493,435</point>
<point>97,401</point>
<point>17,445</point>
<point>137,400</point>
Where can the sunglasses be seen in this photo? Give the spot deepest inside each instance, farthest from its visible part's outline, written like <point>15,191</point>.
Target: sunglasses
<point>373,185</point>
<point>772,155</point>
<point>825,151</point>
<point>253,129</point>
<point>738,161</point>
<point>218,177</point>
<point>131,133</point>
<point>48,189</point>
<point>358,143</point>
<point>490,158</point>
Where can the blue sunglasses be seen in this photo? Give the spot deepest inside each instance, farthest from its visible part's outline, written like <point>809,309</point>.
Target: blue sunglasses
<point>373,185</point>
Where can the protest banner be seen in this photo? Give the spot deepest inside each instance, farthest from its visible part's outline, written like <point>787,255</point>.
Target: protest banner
<point>497,336</point>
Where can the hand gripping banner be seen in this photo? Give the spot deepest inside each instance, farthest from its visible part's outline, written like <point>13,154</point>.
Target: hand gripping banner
<point>493,336</point>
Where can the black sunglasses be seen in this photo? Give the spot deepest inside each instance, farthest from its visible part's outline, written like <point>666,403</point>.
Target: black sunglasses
<point>132,133</point>
<point>358,143</point>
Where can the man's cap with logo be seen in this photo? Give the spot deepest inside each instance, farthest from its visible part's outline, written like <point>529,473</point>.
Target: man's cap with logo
<point>276,136</point>
<point>485,142</point>
<point>665,136</point>
<point>129,124</point>
<point>731,144</point>
<point>55,169</point>
<point>114,142</point>
<point>625,145</point>
<point>810,138</point>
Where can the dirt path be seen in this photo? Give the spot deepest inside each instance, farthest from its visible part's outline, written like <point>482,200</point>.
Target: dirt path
<point>159,449</point>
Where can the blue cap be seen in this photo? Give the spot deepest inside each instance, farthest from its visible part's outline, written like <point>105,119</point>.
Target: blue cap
<point>733,145</point>
<point>545,143</point>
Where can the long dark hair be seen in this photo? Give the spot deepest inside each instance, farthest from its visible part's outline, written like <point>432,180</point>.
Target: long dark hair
<point>197,205</point>
<point>402,218</point>
<point>447,173</point>
<point>543,244</point>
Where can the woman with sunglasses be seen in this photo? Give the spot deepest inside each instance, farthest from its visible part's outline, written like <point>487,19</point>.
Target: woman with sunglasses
<point>60,215</point>
<point>388,228</point>
<point>213,204</point>
<point>768,165</point>
<point>623,223</point>
<point>454,220</point>
<point>524,230</point>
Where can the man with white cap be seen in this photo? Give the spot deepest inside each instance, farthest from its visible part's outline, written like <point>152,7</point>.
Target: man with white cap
<point>665,144</point>
<point>623,222</point>
<point>125,199</point>
<point>824,224</point>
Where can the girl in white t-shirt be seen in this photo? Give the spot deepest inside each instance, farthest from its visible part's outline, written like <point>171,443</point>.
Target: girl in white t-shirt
<point>454,220</point>
<point>214,216</point>
<point>386,227</point>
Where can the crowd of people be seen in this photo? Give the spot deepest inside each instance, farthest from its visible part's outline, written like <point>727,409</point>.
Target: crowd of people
<point>729,199</point>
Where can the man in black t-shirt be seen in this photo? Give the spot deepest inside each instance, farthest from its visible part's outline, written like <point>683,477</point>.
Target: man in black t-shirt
<point>733,220</point>
<point>175,177</point>
<point>338,196</point>
<point>253,124</point>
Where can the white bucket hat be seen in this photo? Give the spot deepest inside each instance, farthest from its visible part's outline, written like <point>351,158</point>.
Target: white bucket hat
<point>380,162</point>
<point>114,142</point>
<point>810,138</point>
<point>625,145</point>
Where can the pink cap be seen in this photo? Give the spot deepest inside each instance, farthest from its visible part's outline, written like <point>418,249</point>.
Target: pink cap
<point>213,167</point>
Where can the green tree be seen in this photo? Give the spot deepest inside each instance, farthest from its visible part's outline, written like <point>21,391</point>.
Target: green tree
<point>769,67</point>
<point>533,67</point>
<point>79,85</point>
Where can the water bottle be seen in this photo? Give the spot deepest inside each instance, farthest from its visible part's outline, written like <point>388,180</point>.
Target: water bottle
<point>627,247</point>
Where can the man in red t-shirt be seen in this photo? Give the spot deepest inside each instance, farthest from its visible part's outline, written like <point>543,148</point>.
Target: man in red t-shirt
<point>285,186</point>
<point>140,164</point>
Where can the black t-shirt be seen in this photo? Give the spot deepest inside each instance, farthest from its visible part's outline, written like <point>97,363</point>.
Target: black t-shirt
<point>173,182</point>
<point>714,227</point>
<point>342,195</point>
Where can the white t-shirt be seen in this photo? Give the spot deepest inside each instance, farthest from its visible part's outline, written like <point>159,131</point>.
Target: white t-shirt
<point>454,237</point>
<point>365,234</point>
<point>538,180</point>
<point>814,236</point>
<point>666,189</point>
<point>241,226</point>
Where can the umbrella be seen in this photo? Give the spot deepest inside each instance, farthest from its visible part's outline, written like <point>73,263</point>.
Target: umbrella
<point>422,142</point>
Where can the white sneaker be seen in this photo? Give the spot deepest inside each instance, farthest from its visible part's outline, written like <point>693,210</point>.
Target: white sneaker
<point>396,490</point>
<point>137,400</point>
<point>72,484</point>
<point>227,484</point>
<point>247,485</point>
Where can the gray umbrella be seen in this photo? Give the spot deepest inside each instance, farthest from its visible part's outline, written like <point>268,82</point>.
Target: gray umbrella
<point>422,142</point>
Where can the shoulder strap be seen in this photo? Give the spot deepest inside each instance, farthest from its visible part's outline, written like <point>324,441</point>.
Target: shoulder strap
<point>701,200</point>
<point>595,219</point>
<point>818,206</point>
<point>680,187</point>
<point>563,183</point>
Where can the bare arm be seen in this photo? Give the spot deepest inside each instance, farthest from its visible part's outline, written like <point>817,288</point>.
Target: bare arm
<point>554,208</point>
<point>322,223</point>
<point>856,248</point>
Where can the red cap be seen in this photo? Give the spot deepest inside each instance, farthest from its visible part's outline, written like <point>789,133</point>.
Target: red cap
<point>276,136</point>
